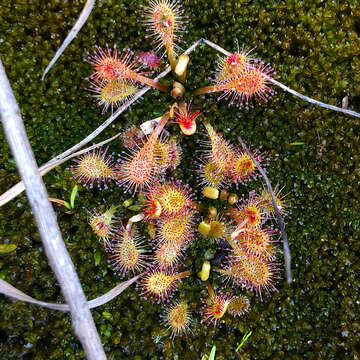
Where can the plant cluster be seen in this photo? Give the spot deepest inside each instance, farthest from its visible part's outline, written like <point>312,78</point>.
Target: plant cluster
<point>173,215</point>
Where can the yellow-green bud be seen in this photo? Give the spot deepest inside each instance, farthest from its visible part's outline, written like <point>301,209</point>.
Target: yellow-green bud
<point>210,192</point>
<point>205,271</point>
<point>204,228</point>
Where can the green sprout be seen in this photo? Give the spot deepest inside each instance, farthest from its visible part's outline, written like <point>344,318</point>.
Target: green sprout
<point>212,354</point>
<point>69,205</point>
<point>245,337</point>
<point>297,143</point>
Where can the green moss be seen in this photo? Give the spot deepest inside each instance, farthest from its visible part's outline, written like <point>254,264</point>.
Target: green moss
<point>314,48</point>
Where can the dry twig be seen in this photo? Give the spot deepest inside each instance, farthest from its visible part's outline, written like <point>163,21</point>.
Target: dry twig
<point>72,34</point>
<point>54,246</point>
<point>9,290</point>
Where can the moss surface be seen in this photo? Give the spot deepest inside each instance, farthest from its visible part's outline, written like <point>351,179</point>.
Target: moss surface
<point>314,48</point>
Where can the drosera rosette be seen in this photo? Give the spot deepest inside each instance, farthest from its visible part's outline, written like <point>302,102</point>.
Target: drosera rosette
<point>137,169</point>
<point>127,251</point>
<point>246,255</point>
<point>94,167</point>
<point>239,305</point>
<point>111,64</point>
<point>177,318</point>
<point>164,19</point>
<point>160,284</point>
<point>104,224</point>
<point>186,119</point>
<point>215,306</point>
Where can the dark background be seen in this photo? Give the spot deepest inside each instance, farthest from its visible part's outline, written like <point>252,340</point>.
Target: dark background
<point>314,48</point>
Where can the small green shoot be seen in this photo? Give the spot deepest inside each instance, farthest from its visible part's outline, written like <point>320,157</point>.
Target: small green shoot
<point>70,205</point>
<point>212,354</point>
<point>73,195</point>
<point>97,257</point>
<point>245,337</point>
<point>67,205</point>
<point>104,272</point>
<point>296,143</point>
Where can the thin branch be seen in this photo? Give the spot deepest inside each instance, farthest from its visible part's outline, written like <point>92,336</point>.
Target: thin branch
<point>291,91</point>
<point>287,256</point>
<point>193,47</point>
<point>72,34</point>
<point>313,101</point>
<point>11,291</point>
<point>216,47</point>
<point>54,246</point>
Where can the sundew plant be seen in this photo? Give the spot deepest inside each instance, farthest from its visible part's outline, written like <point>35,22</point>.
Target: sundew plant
<point>207,169</point>
<point>237,228</point>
